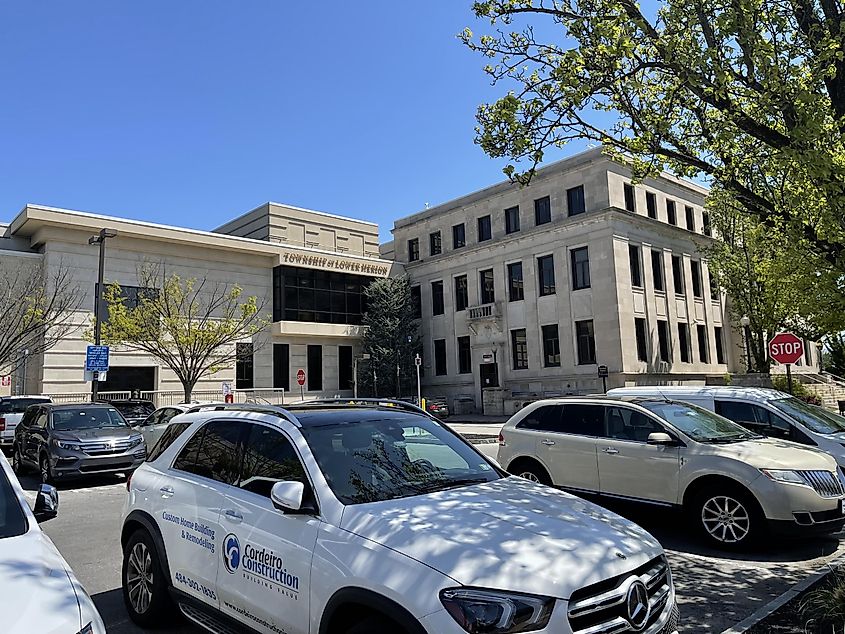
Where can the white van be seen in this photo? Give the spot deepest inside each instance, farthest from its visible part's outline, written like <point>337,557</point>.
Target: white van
<point>767,412</point>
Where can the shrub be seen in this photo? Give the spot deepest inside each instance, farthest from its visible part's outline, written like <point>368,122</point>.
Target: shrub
<point>799,390</point>
<point>825,606</point>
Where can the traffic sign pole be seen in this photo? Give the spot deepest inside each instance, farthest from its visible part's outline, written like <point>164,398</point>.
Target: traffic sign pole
<point>786,349</point>
<point>418,363</point>
<point>300,378</point>
<point>789,377</point>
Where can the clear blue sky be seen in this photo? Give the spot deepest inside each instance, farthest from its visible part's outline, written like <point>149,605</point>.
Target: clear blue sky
<point>191,112</point>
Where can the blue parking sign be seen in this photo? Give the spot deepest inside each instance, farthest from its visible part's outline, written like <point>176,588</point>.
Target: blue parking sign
<point>97,359</point>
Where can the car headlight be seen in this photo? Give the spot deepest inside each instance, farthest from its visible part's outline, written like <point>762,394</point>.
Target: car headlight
<point>68,445</point>
<point>783,475</point>
<point>495,612</point>
<point>135,441</point>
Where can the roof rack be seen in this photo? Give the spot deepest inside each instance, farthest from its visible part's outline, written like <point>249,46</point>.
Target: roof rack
<point>281,412</point>
<point>361,402</point>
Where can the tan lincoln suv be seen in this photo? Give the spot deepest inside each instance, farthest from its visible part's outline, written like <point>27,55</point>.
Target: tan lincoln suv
<point>735,485</point>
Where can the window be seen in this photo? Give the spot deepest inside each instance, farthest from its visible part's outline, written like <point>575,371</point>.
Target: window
<point>678,274</point>
<point>512,219</point>
<point>708,229</point>
<point>808,353</point>
<point>630,198</point>
<point>657,270</point>
<point>546,274</point>
<point>626,424</point>
<point>171,433</point>
<point>244,366</point>
<point>345,377</point>
<point>663,340</point>
<point>542,211</point>
<point>684,342</point>
<point>437,298</point>
<point>213,452</point>
<point>269,457</point>
<point>315,367</point>
<point>575,200</point>
<point>642,338</point>
<point>464,356</point>
<point>695,267</point>
<point>671,212</point>
<point>551,346</point>
<point>547,418</point>
<point>516,291</point>
<point>738,412</point>
<point>580,268</point>
<point>636,268</point>
<point>586,342</point>
<point>435,243</point>
<point>281,366</point>
<point>714,288</point>
<point>459,236</point>
<point>583,420</point>
<point>461,293</point>
<point>413,250</point>
<point>485,229</point>
<point>519,349</point>
<point>703,344</point>
<point>720,346</point>
<point>132,297</point>
<point>440,357</point>
<point>651,204</point>
<point>690,218</point>
<point>486,284</point>
<point>416,301</point>
<point>317,295</point>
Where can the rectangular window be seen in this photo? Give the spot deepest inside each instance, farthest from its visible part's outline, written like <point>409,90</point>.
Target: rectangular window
<point>464,356</point>
<point>459,236</point>
<point>268,458</point>
<point>416,301</point>
<point>575,201</point>
<point>586,342</point>
<point>671,212</point>
<point>546,275</point>
<point>651,204</point>
<point>512,219</point>
<point>281,366</point>
<point>551,346</point>
<point>132,296</point>
<point>714,288</point>
<point>440,357</point>
<point>344,368</point>
<point>695,267</point>
<point>519,349</point>
<point>678,274</point>
<point>435,243</point>
<point>244,366</point>
<point>630,198</point>
<point>708,229</point>
<point>657,270</point>
<point>321,296</point>
<point>684,342</point>
<point>516,290</point>
<point>461,293</point>
<point>663,340</point>
<point>485,229</point>
<point>437,307</point>
<point>720,344</point>
<point>486,284</point>
<point>580,268</point>
<point>690,218</point>
<point>642,338</point>
<point>413,250</point>
<point>315,368</point>
<point>703,344</point>
<point>808,353</point>
<point>542,211</point>
<point>636,267</point>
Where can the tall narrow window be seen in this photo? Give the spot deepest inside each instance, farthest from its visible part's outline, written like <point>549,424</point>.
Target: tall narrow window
<point>714,287</point>
<point>281,366</point>
<point>678,274</point>
<point>586,342</point>
<point>461,293</point>
<point>519,349</point>
<point>575,201</point>
<point>707,227</point>
<point>542,211</point>
<point>663,340</point>
<point>690,218</point>
<point>459,236</point>
<point>580,268</point>
<point>464,356</point>
<point>808,352</point>
<point>344,368</point>
<point>630,197</point>
<point>720,344</point>
<point>413,250</point>
<point>516,290</point>
<point>416,301</point>
<point>636,267</point>
<point>703,344</point>
<point>485,229</point>
<point>487,286</point>
<point>642,338</point>
<point>546,275</point>
<point>684,342</point>
<point>440,357</point>
<point>671,212</point>
<point>695,269</point>
<point>512,219</point>
<point>651,204</point>
<point>244,366</point>
<point>657,270</point>
<point>551,346</point>
<point>315,368</point>
<point>435,243</point>
<point>437,307</point>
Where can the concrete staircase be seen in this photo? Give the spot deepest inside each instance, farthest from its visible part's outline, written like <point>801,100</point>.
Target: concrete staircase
<point>830,389</point>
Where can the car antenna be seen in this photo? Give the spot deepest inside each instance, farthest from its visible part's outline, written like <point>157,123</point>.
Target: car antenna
<point>665,398</point>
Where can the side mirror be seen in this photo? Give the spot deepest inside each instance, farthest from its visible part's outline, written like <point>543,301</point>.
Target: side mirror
<point>287,496</point>
<point>661,438</point>
<point>46,503</point>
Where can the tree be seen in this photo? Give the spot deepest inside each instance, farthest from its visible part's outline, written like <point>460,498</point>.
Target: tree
<point>834,356</point>
<point>749,94</point>
<point>392,338</point>
<point>190,325</point>
<point>36,305</point>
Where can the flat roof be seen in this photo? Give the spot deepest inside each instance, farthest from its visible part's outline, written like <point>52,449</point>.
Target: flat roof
<point>295,208</point>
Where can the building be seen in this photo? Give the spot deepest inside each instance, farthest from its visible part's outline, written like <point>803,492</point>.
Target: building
<point>528,291</point>
<point>308,268</point>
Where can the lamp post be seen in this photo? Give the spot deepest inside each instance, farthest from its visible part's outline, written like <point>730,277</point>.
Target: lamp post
<point>101,240</point>
<point>745,322</point>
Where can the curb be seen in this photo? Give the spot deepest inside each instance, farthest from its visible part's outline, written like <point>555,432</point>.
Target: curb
<point>786,597</point>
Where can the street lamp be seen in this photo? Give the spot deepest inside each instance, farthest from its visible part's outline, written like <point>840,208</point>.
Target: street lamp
<point>101,240</point>
<point>745,322</point>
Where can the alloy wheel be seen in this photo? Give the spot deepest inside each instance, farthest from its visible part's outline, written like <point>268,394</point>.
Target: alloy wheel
<point>45,470</point>
<point>530,475</point>
<point>726,519</point>
<point>139,578</point>
<point>16,460</point>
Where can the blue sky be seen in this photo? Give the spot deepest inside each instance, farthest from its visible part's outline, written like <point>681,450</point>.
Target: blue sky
<point>195,111</point>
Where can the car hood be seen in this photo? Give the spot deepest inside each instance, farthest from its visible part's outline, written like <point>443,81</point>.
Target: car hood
<point>771,453</point>
<point>509,534</point>
<point>101,433</point>
<point>36,591</point>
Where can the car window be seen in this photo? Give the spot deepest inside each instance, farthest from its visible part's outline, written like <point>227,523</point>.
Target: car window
<point>166,415</point>
<point>268,458</point>
<point>546,418</point>
<point>13,521</point>
<point>815,418</point>
<point>213,452</point>
<point>86,418</point>
<point>40,419</point>
<point>738,412</point>
<point>583,420</point>
<point>624,423</point>
<point>19,405</point>
<point>167,438</point>
<point>134,410</point>
<point>698,423</point>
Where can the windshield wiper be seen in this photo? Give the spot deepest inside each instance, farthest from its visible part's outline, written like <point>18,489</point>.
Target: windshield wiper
<point>445,485</point>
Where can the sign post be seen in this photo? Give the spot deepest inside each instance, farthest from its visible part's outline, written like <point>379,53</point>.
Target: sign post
<point>418,363</point>
<point>786,348</point>
<point>227,392</point>
<point>603,373</point>
<point>96,364</point>
<point>300,378</point>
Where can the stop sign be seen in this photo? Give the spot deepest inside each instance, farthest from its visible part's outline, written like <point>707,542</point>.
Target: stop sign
<point>786,348</point>
<point>300,376</point>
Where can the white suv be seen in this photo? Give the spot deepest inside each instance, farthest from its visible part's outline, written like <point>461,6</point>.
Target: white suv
<point>340,517</point>
<point>733,483</point>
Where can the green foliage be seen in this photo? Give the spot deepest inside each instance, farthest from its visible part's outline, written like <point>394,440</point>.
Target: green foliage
<point>834,356</point>
<point>825,606</point>
<point>799,390</point>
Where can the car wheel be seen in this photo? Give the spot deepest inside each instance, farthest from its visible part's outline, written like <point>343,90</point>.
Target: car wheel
<point>145,591</point>
<point>45,470</point>
<point>727,518</point>
<point>376,624</point>
<point>17,461</point>
<point>531,471</point>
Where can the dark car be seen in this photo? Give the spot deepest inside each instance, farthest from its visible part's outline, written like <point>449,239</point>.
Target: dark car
<point>437,406</point>
<point>64,441</point>
<point>134,410</point>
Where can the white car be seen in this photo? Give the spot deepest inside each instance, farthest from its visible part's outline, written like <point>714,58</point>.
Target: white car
<point>153,426</point>
<point>38,591</point>
<point>734,484</point>
<point>12,409</point>
<point>372,518</point>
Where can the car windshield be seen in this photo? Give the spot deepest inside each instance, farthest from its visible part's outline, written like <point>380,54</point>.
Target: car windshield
<point>394,457</point>
<point>19,405</point>
<point>134,410</point>
<point>814,418</point>
<point>87,418</point>
<point>698,423</point>
<point>12,518</point>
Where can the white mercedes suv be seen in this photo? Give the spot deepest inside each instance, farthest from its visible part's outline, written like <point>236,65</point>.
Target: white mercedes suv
<point>371,517</point>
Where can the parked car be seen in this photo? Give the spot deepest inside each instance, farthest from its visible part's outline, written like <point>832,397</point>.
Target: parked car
<point>64,441</point>
<point>153,426</point>
<point>360,517</point>
<point>768,412</point>
<point>134,410</point>
<point>38,590</point>
<point>733,483</point>
<point>435,405</point>
<point>12,409</point>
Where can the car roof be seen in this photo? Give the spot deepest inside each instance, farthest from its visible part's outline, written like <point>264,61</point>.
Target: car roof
<point>24,396</point>
<point>726,391</point>
<point>318,417</point>
<point>127,401</point>
<point>63,406</point>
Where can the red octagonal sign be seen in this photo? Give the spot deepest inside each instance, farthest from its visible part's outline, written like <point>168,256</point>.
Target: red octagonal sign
<point>300,376</point>
<point>786,348</point>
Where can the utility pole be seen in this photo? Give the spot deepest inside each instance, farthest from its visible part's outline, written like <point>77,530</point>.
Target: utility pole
<point>418,363</point>
<point>101,240</point>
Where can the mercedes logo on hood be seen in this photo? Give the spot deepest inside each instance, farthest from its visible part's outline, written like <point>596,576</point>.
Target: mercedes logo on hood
<point>637,605</point>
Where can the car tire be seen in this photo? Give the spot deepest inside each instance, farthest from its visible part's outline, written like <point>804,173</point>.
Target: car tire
<point>44,470</point>
<point>531,471</point>
<point>728,518</point>
<point>148,600</point>
<point>17,461</point>
<point>376,624</point>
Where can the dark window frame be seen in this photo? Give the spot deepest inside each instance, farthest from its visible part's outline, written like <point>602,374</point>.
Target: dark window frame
<point>485,228</point>
<point>671,212</point>
<point>487,294</point>
<point>580,268</point>
<point>651,204</point>
<point>459,236</point>
<point>542,211</point>
<point>516,284</point>
<point>658,272</point>
<point>630,195</point>
<point>461,293</point>
<point>550,335</point>
<point>690,217</point>
<point>585,342</point>
<point>703,343</point>
<point>519,349</point>
<point>414,250</point>
<point>720,344</point>
<point>345,368</point>
<point>635,262</point>
<point>512,220</point>
<point>641,336</point>
<point>244,366</point>
<point>440,363</point>
<point>416,301</point>
<point>664,339</point>
<point>435,243</point>
<point>318,296</point>
<point>684,342</point>
<point>464,346</point>
<point>546,284</point>
<point>575,201</point>
<point>678,280</point>
<point>315,376</point>
<point>438,301</point>
<point>281,366</point>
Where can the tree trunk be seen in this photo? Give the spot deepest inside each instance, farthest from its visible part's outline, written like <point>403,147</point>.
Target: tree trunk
<point>188,389</point>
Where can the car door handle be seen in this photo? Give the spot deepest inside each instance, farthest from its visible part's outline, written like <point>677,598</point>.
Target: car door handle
<point>233,516</point>
<point>611,451</point>
<point>548,442</point>
<point>166,492</point>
